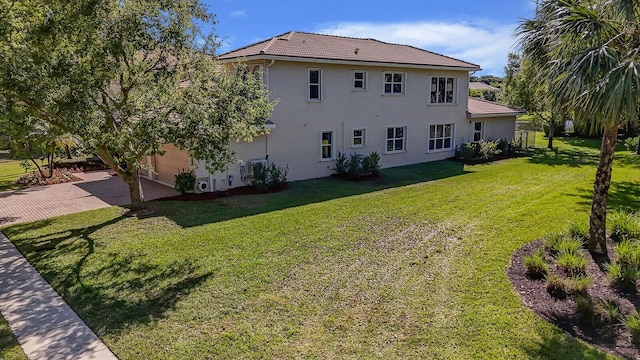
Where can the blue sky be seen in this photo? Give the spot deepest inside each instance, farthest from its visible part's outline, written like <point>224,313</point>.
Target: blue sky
<point>478,31</point>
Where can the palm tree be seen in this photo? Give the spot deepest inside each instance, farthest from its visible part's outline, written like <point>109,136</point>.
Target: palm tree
<point>590,49</point>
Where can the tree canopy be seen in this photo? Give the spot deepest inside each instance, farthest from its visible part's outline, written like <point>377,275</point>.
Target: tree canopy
<point>127,76</point>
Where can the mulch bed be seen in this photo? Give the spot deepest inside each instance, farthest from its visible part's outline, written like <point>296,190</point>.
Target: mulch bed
<point>60,175</point>
<point>243,190</point>
<point>615,339</point>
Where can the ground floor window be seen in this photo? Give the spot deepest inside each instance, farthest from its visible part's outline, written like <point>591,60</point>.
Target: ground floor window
<point>326,147</point>
<point>441,137</point>
<point>396,139</point>
<point>478,131</point>
<point>358,138</point>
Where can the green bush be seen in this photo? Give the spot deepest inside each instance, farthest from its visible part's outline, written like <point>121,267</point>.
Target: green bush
<point>535,264</point>
<point>584,305</point>
<point>632,143</point>
<point>571,262</point>
<point>552,242</point>
<point>608,312</point>
<point>356,166</point>
<point>269,177</point>
<point>622,275</point>
<point>488,149</point>
<point>185,181</point>
<point>633,323</point>
<point>579,231</point>
<point>628,253</point>
<point>570,246</point>
<point>555,285</point>
<point>579,283</point>
<point>624,225</point>
<point>468,151</point>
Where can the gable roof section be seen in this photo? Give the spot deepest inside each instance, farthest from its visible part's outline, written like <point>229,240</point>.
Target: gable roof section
<point>481,86</point>
<point>303,46</point>
<point>478,108</point>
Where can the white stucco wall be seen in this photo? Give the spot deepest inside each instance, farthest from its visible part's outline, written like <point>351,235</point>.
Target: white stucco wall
<point>296,140</point>
<point>496,127</point>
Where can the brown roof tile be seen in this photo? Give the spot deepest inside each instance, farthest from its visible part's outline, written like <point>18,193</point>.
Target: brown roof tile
<point>478,108</point>
<point>328,47</point>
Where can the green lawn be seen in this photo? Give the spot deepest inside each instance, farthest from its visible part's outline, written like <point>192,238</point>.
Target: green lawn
<point>412,265</point>
<point>9,347</point>
<point>10,171</point>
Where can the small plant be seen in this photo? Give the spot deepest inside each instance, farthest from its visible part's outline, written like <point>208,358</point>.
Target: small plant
<point>579,283</point>
<point>371,164</point>
<point>608,312</point>
<point>269,177</point>
<point>556,285</point>
<point>552,242</point>
<point>633,323</point>
<point>623,275</point>
<point>488,149</point>
<point>468,151</point>
<point>578,231</point>
<point>342,165</point>
<point>570,246</point>
<point>624,225</point>
<point>584,305</point>
<point>356,166</point>
<point>571,262</point>
<point>632,143</point>
<point>185,181</point>
<point>628,253</point>
<point>536,266</point>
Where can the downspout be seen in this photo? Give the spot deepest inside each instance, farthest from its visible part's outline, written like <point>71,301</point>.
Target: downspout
<point>266,140</point>
<point>267,72</point>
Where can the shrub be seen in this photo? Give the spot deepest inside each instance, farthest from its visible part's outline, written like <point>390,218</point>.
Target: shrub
<point>571,262</point>
<point>584,305</point>
<point>536,266</point>
<point>580,283</point>
<point>552,242</point>
<point>628,253</point>
<point>570,246</point>
<point>185,181</point>
<point>622,275</point>
<point>555,285</point>
<point>356,166</point>
<point>608,312</point>
<point>624,225</point>
<point>269,177</point>
<point>632,143</point>
<point>468,151</point>
<point>488,149</point>
<point>633,323</point>
<point>578,231</point>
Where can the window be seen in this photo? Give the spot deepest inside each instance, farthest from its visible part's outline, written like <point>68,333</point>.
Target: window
<point>443,90</point>
<point>394,83</point>
<point>326,147</point>
<point>315,88</point>
<point>360,80</point>
<point>441,137</point>
<point>396,139</point>
<point>358,138</point>
<point>478,131</point>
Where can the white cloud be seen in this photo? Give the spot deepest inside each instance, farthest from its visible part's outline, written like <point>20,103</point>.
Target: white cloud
<point>483,43</point>
<point>238,14</point>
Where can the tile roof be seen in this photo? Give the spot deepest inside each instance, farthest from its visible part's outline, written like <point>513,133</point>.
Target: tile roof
<point>337,48</point>
<point>481,86</point>
<point>478,108</point>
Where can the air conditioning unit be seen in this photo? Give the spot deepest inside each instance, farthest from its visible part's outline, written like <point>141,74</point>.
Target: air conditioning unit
<point>251,163</point>
<point>202,185</point>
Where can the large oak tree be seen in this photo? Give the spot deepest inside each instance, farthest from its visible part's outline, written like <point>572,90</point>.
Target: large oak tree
<point>127,76</point>
<point>590,49</point>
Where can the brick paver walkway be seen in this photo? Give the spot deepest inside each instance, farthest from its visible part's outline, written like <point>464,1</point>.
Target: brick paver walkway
<point>45,326</point>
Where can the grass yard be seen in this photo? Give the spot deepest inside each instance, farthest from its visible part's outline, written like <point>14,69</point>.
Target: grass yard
<point>10,171</point>
<point>9,347</point>
<point>412,265</point>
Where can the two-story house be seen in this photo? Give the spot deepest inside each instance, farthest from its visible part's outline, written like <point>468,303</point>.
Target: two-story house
<point>339,94</point>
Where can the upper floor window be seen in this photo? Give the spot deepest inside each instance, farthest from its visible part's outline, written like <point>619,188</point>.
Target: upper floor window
<point>396,139</point>
<point>315,85</point>
<point>360,80</point>
<point>443,90</point>
<point>441,137</point>
<point>394,82</point>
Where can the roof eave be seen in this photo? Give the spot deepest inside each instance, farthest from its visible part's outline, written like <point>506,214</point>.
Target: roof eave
<point>479,116</point>
<point>349,62</point>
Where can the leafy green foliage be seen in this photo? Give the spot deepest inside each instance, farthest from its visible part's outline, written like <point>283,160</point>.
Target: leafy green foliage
<point>632,321</point>
<point>356,166</point>
<point>269,177</point>
<point>552,242</point>
<point>185,181</point>
<point>632,143</point>
<point>536,264</point>
<point>571,262</point>
<point>624,225</point>
<point>580,283</point>
<point>579,231</point>
<point>623,275</point>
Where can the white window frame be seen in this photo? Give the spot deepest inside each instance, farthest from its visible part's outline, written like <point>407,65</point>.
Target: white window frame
<point>454,98</point>
<point>478,132</point>
<point>435,138</point>
<point>402,83</point>
<point>319,85</point>
<point>394,139</point>
<point>362,137</point>
<point>332,145</point>
<point>365,80</point>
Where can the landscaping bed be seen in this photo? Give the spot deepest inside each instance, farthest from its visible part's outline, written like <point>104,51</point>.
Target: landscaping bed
<point>59,176</point>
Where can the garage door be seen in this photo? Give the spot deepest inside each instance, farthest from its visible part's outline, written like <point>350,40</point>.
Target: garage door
<point>170,164</point>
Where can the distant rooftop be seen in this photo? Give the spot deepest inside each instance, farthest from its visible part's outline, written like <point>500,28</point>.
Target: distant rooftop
<point>482,108</point>
<point>306,46</point>
<point>482,86</point>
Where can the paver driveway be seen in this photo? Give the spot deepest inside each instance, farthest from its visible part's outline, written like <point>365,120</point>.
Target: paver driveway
<point>98,190</point>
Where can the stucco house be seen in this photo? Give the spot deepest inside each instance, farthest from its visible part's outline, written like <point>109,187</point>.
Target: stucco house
<point>350,95</point>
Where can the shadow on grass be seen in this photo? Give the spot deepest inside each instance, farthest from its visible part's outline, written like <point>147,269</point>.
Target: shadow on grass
<point>300,193</point>
<point>623,195</point>
<point>563,157</point>
<point>110,291</point>
<point>559,345</point>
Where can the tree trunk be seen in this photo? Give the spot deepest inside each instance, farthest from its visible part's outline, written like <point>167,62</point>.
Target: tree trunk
<point>67,150</point>
<point>130,177</point>
<point>552,131</point>
<point>598,218</point>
